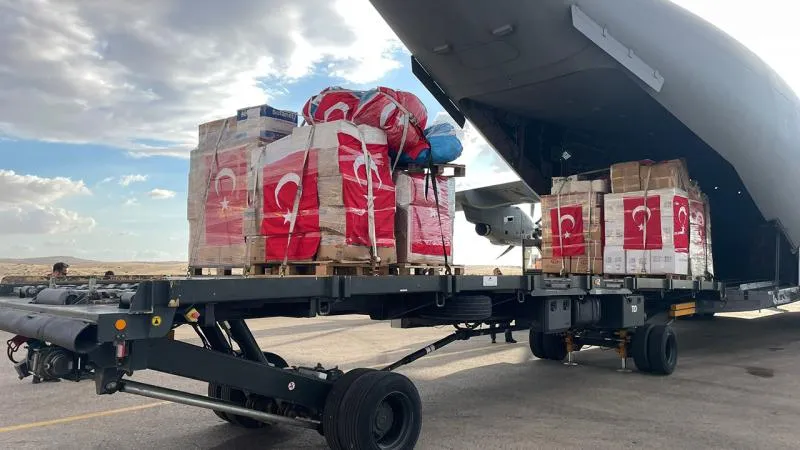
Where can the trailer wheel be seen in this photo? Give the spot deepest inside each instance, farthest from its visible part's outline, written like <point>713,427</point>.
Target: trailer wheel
<point>463,308</point>
<point>238,397</point>
<point>380,410</point>
<point>536,342</point>
<point>330,415</point>
<point>662,350</point>
<point>276,360</point>
<point>639,348</point>
<point>215,392</point>
<point>555,348</point>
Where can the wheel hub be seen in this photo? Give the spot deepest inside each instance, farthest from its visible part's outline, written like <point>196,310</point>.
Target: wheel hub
<point>384,419</point>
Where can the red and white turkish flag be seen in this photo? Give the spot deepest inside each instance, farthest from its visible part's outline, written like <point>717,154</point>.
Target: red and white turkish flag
<point>227,197</point>
<point>680,216</point>
<point>566,227</point>
<point>281,181</point>
<point>642,223</point>
<point>356,170</point>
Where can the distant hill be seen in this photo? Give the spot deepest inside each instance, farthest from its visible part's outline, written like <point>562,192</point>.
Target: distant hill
<point>71,260</point>
<point>47,260</point>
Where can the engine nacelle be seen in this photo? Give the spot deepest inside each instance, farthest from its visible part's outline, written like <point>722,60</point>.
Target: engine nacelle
<point>483,229</point>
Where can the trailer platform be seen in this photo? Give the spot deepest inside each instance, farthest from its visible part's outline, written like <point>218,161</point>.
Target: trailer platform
<point>73,332</point>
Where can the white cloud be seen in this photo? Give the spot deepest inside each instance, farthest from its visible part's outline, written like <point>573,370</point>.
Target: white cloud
<point>17,188</point>
<point>106,180</point>
<point>127,180</point>
<point>142,75</point>
<point>131,202</point>
<point>33,219</point>
<point>161,194</point>
<point>26,205</point>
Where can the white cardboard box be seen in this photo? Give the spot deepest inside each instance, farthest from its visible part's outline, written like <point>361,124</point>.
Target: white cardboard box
<point>637,261</point>
<point>614,260</point>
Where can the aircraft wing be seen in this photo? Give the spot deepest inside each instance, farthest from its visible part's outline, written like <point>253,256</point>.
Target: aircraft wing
<point>499,195</point>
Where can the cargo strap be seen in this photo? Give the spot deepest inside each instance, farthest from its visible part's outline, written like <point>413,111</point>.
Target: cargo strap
<point>297,197</point>
<point>560,233</point>
<point>432,175</point>
<point>373,240</point>
<point>646,186</point>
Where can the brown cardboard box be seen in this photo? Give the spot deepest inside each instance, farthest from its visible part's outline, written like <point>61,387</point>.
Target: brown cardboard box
<point>594,247</point>
<point>554,265</point>
<point>251,225</point>
<point>625,177</point>
<point>665,175</point>
<point>334,248</point>
<point>581,264</point>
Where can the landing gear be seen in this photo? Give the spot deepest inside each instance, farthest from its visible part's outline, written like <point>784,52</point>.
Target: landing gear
<point>372,409</point>
<point>550,346</point>
<point>655,349</point>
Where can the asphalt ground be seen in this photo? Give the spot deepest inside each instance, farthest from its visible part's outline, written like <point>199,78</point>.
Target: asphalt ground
<point>737,385</point>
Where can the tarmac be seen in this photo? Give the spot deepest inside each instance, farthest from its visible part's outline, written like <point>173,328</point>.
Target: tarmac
<point>736,387</point>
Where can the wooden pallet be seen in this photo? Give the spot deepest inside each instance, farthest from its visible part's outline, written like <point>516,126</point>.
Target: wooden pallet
<point>218,271</point>
<point>648,275</point>
<point>423,269</point>
<point>318,268</point>
<point>444,170</point>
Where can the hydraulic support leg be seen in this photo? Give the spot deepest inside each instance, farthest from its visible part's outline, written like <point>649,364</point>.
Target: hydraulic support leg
<point>622,350</point>
<point>570,350</point>
<point>247,342</point>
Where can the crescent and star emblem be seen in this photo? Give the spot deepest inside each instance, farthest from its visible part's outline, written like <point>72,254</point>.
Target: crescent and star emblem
<point>290,177</point>
<point>222,174</point>
<point>641,209</point>
<point>682,213</point>
<point>571,220</point>
<point>361,161</point>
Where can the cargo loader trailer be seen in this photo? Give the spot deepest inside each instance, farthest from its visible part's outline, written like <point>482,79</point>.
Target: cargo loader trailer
<point>78,335</point>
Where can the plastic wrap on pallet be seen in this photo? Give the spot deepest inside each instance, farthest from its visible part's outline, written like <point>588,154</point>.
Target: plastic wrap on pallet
<point>572,229</point>
<point>418,229</point>
<point>649,231</point>
<point>333,214</point>
<point>217,200</point>
<point>700,259</point>
<point>400,114</point>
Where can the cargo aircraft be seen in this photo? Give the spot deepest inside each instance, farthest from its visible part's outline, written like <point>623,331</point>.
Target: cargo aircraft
<point>618,80</point>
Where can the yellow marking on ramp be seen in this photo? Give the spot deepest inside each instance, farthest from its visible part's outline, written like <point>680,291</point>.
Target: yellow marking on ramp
<point>110,412</point>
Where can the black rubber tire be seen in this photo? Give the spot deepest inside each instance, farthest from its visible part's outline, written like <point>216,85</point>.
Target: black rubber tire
<point>536,342</point>
<point>377,395</point>
<point>463,308</point>
<point>330,413</point>
<point>238,397</point>
<point>639,348</point>
<point>215,391</point>
<point>662,350</point>
<point>555,347</point>
<point>276,360</point>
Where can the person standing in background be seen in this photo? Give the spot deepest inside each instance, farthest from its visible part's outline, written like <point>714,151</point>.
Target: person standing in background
<point>509,337</point>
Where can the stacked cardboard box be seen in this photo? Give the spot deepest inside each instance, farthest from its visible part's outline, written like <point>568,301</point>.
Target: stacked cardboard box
<point>219,204</point>
<point>572,227</point>
<point>701,262</point>
<point>326,194</point>
<point>648,219</point>
<point>647,232</point>
<point>424,230</point>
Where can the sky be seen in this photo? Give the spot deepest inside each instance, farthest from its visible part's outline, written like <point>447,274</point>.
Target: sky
<point>100,103</point>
